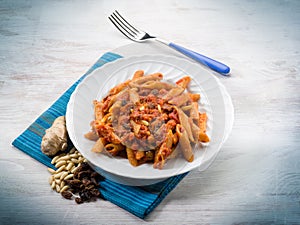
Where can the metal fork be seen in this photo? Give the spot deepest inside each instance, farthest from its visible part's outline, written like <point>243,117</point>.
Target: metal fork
<point>138,35</point>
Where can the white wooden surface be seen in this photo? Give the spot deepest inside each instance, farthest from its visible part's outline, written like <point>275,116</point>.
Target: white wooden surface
<point>45,46</point>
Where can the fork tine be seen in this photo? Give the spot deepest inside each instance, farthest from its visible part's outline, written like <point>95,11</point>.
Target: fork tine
<point>128,24</point>
<point>124,23</point>
<point>121,28</point>
<point>127,29</point>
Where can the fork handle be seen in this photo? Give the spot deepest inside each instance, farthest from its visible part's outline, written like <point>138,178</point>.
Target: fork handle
<point>211,63</point>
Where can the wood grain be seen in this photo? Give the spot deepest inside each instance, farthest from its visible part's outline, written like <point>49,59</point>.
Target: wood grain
<point>45,46</point>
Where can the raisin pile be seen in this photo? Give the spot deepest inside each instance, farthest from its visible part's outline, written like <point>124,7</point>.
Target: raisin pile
<point>84,185</point>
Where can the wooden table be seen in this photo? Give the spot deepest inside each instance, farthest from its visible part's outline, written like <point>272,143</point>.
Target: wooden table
<point>45,46</point>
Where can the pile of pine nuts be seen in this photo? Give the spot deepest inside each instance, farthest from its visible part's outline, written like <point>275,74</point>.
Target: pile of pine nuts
<point>66,164</point>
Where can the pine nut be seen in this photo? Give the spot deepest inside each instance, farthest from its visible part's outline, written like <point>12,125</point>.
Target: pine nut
<point>63,175</point>
<point>159,108</point>
<point>66,157</point>
<point>80,159</point>
<point>69,176</point>
<point>73,169</point>
<point>61,168</point>
<point>74,155</point>
<point>53,184</point>
<point>64,188</point>
<point>69,166</point>
<point>56,176</point>
<point>74,160</point>
<point>62,184</point>
<point>145,122</point>
<point>52,171</point>
<point>57,181</point>
<point>60,163</point>
<point>50,180</point>
<point>72,150</point>
<point>53,161</point>
<point>57,188</point>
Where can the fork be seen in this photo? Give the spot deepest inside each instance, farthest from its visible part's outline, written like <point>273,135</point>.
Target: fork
<point>138,35</point>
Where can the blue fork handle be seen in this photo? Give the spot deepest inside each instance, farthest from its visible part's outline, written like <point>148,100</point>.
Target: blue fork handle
<point>213,64</point>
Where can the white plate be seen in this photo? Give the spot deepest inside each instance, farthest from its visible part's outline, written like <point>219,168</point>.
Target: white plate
<point>215,101</point>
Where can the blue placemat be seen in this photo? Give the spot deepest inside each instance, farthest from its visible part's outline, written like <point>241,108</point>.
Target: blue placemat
<point>139,201</point>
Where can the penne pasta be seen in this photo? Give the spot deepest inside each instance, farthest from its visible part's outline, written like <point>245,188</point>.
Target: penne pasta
<point>194,114</point>
<point>175,153</point>
<point>173,93</point>
<point>180,100</point>
<point>187,108</point>
<point>160,156</point>
<point>184,143</point>
<point>131,157</point>
<point>153,84</point>
<point>119,88</point>
<point>98,146</point>
<point>175,138</point>
<point>169,139</point>
<point>91,135</point>
<point>143,79</point>
<point>194,97</point>
<point>137,74</point>
<point>183,82</point>
<point>184,121</point>
<point>147,120</point>
<point>106,118</point>
<point>195,129</point>
<point>202,128</point>
<point>139,154</point>
<point>164,151</point>
<point>98,110</point>
<point>113,149</point>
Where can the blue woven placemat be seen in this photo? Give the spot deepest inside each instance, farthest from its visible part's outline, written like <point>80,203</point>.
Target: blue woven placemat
<point>139,201</point>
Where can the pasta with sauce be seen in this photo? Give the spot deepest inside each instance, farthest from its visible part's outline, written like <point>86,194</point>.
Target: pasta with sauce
<point>147,120</point>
